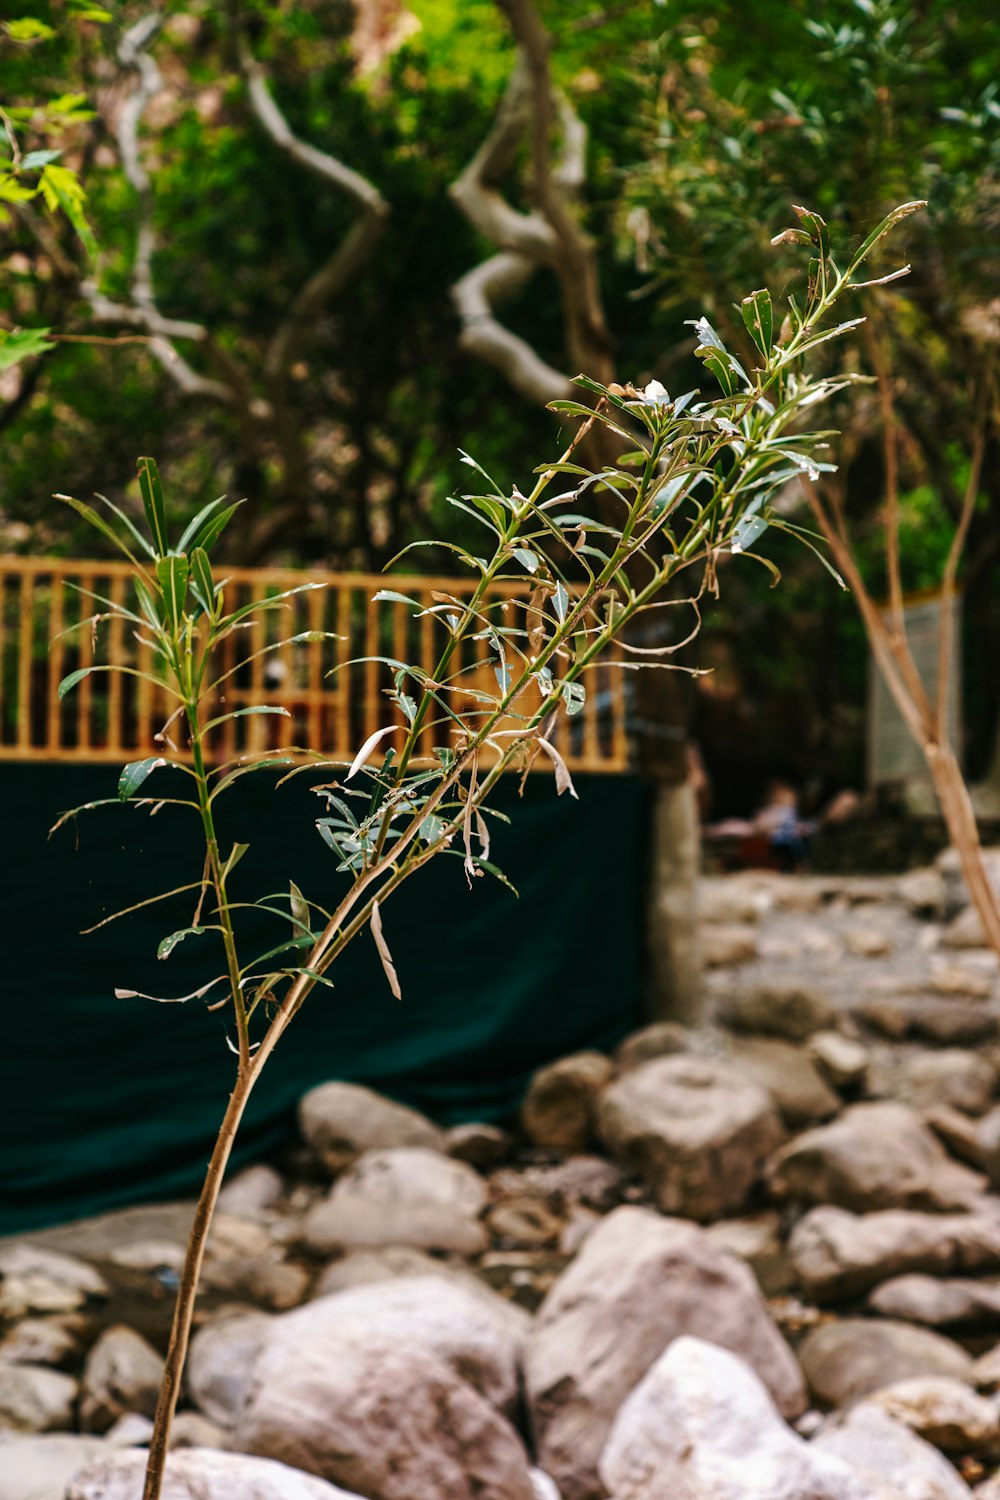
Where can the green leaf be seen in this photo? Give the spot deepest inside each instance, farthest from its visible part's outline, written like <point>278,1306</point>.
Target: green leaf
<point>147,604</point>
<point>527,558</point>
<point>189,536</point>
<point>815,227</point>
<point>22,343</point>
<point>889,222</point>
<point>758,315</point>
<point>560,602</point>
<point>168,944</point>
<point>574,696</point>
<point>70,682</point>
<point>172,576</point>
<point>153,504</point>
<point>98,522</point>
<point>202,583</point>
<point>213,527</point>
<point>28,29</point>
<point>135,773</point>
<point>236,853</point>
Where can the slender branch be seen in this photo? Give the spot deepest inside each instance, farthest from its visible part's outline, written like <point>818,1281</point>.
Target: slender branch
<point>483,335</point>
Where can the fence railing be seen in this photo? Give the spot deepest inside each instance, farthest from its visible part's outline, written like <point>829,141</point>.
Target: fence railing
<point>331,706</point>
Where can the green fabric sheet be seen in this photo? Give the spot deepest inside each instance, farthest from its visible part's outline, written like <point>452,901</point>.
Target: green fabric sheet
<point>111,1101</point>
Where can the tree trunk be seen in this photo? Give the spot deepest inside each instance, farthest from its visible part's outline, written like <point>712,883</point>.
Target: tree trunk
<point>673,983</point>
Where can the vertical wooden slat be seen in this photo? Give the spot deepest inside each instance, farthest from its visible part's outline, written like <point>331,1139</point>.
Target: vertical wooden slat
<point>144,698</point>
<point>53,735</point>
<point>25,642</point>
<point>3,652</point>
<point>341,700</point>
<point>116,653</point>
<point>372,673</point>
<point>85,692</point>
<point>314,675</point>
<point>257,724</point>
<point>619,738</point>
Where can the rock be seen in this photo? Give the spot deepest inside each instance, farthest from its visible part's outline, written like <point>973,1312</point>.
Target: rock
<point>149,1255</point>
<point>848,1360</point>
<point>200,1474</point>
<point>396,1390</point>
<point>790,1077</point>
<point>340,1121</point>
<point>959,979</point>
<point>40,1467</point>
<point>938,1301</point>
<point>792,1011</point>
<point>359,1267</point>
<point>37,1280</point>
<point>943,1412</point>
<point>577,1181</point>
<point>953,1077</point>
<point>558,1108</point>
<point>220,1362</point>
<point>987,1370</point>
<point>481,1146</point>
<point>122,1374</point>
<point>943,1022</point>
<point>41,1341</point>
<point>661,1039</point>
<point>836,1254</point>
<point>523,1224</point>
<point>874,1156</point>
<point>694,1129</point>
<point>867,942</point>
<point>896,1463</point>
<point>406,1196</point>
<point>639,1282</point>
<point>132,1430</point>
<point>723,945</point>
<point>957,1132</point>
<point>988,1142</point>
<point>190,1429</point>
<point>522,1277</point>
<point>265,1279</point>
<point>252,1192</point>
<point>922,892</point>
<point>543,1487</point>
<point>701,1426</point>
<point>758,1242</point>
<point>840,1058</point>
<point>965,931</point>
<point>733,899</point>
<point>35,1399</point>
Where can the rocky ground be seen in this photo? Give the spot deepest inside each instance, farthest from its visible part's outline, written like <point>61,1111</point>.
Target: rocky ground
<point>755,1261</point>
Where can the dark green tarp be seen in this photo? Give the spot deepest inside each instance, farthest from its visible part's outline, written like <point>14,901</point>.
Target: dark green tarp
<point>111,1101</point>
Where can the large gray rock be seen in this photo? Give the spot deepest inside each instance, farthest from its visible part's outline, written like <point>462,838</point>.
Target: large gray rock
<point>848,1360</point>
<point>797,1089</point>
<point>897,1463</point>
<point>42,1341</point>
<point>406,1196</point>
<point>340,1121</point>
<point>122,1374</point>
<point>252,1192</point>
<point>220,1362</point>
<point>395,1389</point>
<point>943,1412</point>
<point>200,1474</point>
<point>694,1128</point>
<point>837,1254</point>
<point>939,1301</point>
<point>558,1108</point>
<point>874,1156</point>
<point>385,1263</point>
<point>40,1467</point>
<point>35,1399</point>
<point>639,1282</point>
<point>923,1079</point>
<point>784,1009</point>
<point>701,1426</point>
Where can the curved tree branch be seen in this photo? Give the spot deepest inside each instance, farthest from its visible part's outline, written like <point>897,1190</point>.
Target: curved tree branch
<point>483,335</point>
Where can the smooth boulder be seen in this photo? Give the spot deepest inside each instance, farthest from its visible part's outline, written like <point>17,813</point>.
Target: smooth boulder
<point>845,1361</point>
<point>340,1121</point>
<point>701,1426</point>
<point>897,1463</point>
<point>694,1129</point>
<point>874,1156</point>
<point>639,1282</point>
<point>200,1474</point>
<point>836,1254</point>
<point>395,1389</point>
<point>407,1196</point>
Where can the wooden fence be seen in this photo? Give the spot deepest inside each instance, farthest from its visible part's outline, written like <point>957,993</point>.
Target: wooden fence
<point>114,717</point>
